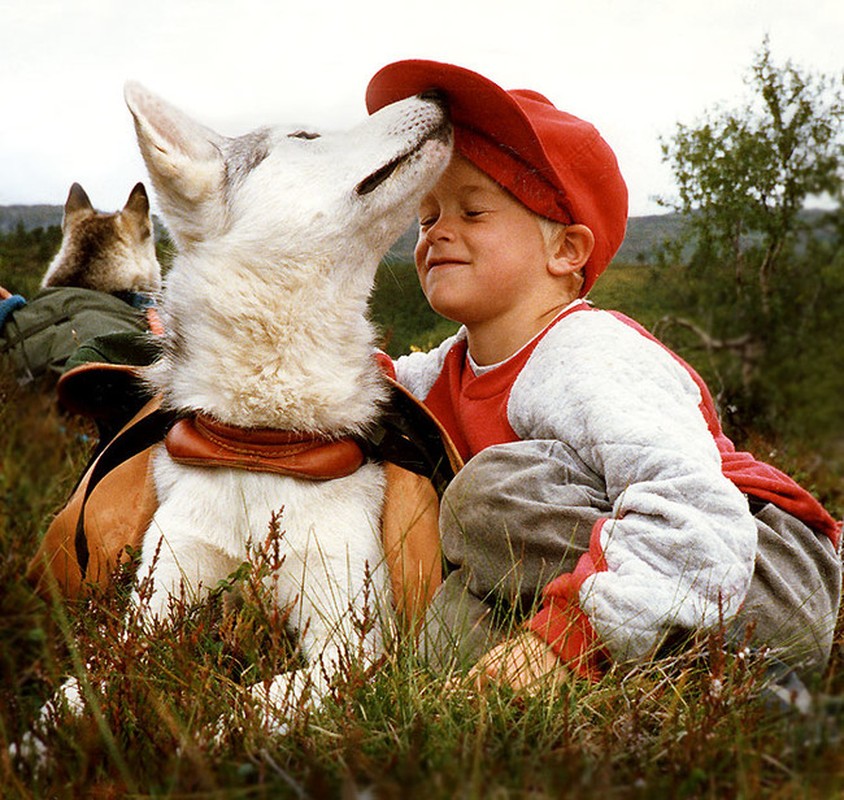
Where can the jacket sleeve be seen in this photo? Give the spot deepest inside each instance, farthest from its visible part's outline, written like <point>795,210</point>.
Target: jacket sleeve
<point>418,371</point>
<point>679,548</point>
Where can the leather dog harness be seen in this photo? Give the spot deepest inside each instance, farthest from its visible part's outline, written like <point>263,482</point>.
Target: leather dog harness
<point>87,541</point>
<point>202,441</point>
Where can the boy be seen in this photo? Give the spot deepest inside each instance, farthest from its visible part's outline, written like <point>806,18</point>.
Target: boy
<point>597,480</point>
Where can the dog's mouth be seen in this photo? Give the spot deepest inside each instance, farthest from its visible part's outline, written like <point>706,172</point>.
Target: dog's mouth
<point>373,181</point>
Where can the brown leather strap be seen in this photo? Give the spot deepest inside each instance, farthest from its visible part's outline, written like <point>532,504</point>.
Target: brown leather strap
<point>116,514</point>
<point>203,441</point>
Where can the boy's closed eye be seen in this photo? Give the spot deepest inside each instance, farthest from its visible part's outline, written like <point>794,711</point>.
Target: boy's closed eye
<point>426,221</point>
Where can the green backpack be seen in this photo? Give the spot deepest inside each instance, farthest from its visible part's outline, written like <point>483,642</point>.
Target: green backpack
<point>38,338</point>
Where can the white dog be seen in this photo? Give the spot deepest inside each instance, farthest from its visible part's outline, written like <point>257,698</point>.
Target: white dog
<point>279,234</point>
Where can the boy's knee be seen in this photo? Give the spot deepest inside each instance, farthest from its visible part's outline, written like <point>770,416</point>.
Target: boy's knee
<point>517,515</point>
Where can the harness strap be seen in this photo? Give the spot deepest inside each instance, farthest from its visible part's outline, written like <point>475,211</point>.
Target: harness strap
<point>406,435</point>
<point>409,435</point>
<point>133,439</point>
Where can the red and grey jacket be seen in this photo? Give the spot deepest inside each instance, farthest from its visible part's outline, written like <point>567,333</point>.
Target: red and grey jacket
<point>679,548</point>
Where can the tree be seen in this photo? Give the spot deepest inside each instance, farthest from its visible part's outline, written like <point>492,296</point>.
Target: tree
<point>755,267</point>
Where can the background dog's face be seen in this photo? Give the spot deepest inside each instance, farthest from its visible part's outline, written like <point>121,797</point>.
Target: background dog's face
<point>106,252</point>
<point>290,194</point>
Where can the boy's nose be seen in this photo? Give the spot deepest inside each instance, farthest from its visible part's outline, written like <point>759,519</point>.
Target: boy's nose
<point>439,230</point>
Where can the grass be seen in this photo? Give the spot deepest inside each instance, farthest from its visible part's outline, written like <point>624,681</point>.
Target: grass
<point>687,726</point>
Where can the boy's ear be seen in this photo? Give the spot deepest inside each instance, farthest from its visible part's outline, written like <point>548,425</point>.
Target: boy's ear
<point>571,250</point>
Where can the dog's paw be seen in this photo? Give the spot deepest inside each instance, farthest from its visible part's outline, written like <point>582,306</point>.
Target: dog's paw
<point>32,748</point>
<point>282,699</point>
<point>269,706</point>
<point>67,699</point>
<point>273,707</point>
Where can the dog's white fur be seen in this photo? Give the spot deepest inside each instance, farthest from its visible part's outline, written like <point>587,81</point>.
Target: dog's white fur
<point>265,312</point>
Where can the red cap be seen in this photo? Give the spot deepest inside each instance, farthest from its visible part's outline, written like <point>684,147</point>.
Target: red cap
<point>557,165</point>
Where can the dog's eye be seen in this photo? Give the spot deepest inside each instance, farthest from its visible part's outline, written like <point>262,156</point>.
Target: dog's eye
<point>302,135</point>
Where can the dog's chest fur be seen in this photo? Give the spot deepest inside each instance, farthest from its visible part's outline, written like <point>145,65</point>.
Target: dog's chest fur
<point>323,523</point>
<point>268,353</point>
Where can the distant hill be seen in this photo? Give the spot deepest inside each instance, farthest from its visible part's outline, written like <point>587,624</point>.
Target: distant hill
<point>644,234</point>
<point>41,216</point>
<point>29,216</point>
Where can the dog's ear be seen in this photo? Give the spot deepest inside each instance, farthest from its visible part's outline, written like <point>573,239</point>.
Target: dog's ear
<point>137,210</point>
<point>184,160</point>
<point>77,202</point>
<point>138,202</point>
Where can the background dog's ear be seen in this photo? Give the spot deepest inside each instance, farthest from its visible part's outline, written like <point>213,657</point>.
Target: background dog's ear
<point>137,209</point>
<point>77,202</point>
<point>138,201</point>
<point>184,160</point>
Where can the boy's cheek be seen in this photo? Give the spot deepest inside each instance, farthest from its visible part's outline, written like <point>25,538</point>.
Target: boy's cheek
<point>422,275</point>
<point>419,256</point>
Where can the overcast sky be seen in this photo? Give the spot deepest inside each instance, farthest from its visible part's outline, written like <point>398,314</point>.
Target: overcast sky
<point>633,67</point>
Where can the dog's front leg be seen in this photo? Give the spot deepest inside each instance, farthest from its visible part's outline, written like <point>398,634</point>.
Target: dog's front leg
<point>177,568</point>
<point>68,698</point>
<point>333,638</point>
<point>172,565</point>
<point>283,696</point>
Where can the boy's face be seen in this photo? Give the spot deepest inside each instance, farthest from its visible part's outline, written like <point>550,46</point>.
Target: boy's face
<point>481,256</point>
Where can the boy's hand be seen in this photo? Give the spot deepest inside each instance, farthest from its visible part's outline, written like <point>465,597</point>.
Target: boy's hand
<point>522,662</point>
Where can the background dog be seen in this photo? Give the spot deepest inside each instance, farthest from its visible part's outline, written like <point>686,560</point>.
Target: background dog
<point>106,252</point>
<point>100,282</point>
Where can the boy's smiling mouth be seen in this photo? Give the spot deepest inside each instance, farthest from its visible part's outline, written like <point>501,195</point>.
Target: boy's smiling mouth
<point>433,263</point>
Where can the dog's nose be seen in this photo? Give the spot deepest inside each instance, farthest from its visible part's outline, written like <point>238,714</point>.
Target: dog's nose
<point>434,95</point>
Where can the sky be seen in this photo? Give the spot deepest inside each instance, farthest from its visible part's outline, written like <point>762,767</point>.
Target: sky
<point>635,68</point>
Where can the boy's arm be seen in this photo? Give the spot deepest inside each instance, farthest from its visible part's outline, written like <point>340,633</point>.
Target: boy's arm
<point>679,550</point>
<point>418,371</point>
<point>522,662</point>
